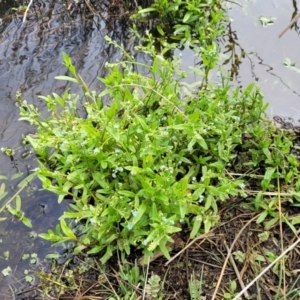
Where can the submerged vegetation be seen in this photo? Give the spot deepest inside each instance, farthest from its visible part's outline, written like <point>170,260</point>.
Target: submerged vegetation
<point>155,171</point>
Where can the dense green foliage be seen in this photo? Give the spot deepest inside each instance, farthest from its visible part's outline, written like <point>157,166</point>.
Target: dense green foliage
<point>160,158</point>
<point>187,22</point>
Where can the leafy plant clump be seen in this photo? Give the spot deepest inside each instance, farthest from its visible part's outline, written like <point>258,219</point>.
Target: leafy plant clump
<point>156,161</point>
<point>185,22</point>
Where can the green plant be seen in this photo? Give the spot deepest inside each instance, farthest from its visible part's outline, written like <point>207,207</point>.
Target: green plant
<point>157,158</point>
<point>153,287</point>
<point>192,22</point>
<point>130,280</point>
<point>266,21</point>
<point>145,165</point>
<point>21,9</point>
<point>195,287</point>
<point>7,203</point>
<point>231,290</point>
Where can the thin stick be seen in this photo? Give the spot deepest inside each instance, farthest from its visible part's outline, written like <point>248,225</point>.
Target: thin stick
<point>294,20</point>
<point>282,262</point>
<point>267,269</point>
<point>238,275</point>
<point>25,14</point>
<point>228,255</point>
<point>146,279</point>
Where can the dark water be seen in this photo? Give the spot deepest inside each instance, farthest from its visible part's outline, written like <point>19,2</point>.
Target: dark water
<point>30,58</point>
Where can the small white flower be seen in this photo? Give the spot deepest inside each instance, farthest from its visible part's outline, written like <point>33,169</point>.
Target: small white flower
<point>116,126</point>
<point>129,226</point>
<point>96,150</point>
<point>201,198</point>
<point>194,178</point>
<point>113,175</point>
<point>93,221</point>
<point>117,150</point>
<point>144,242</point>
<point>134,213</point>
<point>242,185</point>
<point>202,179</point>
<point>132,173</point>
<point>236,118</point>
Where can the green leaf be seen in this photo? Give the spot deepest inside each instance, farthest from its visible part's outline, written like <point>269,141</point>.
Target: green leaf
<point>108,254</point>
<point>3,193</point>
<point>146,10</point>
<point>15,176</point>
<point>271,223</point>
<point>207,225</point>
<point>66,230</point>
<point>140,211</point>
<point>95,249</point>
<point>160,30</point>
<point>181,28</point>
<point>163,248</point>
<point>127,193</point>
<point>201,142</point>
<point>196,226</point>
<point>26,180</point>
<point>267,153</point>
<point>67,78</point>
<point>197,71</point>
<point>268,177</point>
<point>262,217</point>
<point>18,203</point>
<point>186,17</point>
<point>26,221</point>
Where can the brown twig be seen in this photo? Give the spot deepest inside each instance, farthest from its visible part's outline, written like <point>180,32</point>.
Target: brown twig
<point>293,21</point>
<point>228,255</point>
<point>237,273</point>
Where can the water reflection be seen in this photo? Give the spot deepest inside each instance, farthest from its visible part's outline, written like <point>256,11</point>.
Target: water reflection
<point>265,53</point>
<point>255,53</point>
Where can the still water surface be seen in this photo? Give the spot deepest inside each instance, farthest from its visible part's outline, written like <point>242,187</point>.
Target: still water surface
<point>30,58</point>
